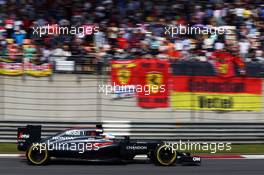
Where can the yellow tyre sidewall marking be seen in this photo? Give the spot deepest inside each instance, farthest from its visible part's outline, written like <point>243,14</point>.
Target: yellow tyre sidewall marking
<point>160,161</point>
<point>37,163</point>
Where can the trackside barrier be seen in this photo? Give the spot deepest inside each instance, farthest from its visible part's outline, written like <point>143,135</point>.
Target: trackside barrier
<point>231,132</point>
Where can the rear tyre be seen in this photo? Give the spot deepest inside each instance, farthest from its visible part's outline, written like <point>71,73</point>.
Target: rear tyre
<point>165,155</point>
<point>37,154</point>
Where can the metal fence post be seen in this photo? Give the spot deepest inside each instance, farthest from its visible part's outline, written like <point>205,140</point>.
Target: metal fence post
<point>99,98</point>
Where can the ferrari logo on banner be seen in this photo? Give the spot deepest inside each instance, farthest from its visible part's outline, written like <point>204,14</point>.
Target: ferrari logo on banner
<point>123,76</point>
<point>154,79</point>
<point>122,72</point>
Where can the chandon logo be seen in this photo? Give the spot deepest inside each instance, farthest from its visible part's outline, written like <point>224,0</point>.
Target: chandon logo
<point>136,147</point>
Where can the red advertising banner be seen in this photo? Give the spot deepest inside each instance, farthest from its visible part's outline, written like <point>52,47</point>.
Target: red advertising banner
<point>152,83</point>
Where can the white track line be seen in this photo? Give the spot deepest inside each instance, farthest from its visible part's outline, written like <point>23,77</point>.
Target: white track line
<point>253,156</point>
<point>11,155</point>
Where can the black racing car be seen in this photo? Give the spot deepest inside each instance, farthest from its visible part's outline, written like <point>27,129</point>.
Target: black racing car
<point>94,144</point>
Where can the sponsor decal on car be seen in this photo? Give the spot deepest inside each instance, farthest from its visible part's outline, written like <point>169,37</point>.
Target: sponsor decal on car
<point>23,136</point>
<point>196,159</point>
<point>62,138</point>
<point>136,147</point>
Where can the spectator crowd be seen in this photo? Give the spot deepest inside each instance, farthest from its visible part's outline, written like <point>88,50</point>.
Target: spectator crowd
<point>130,29</point>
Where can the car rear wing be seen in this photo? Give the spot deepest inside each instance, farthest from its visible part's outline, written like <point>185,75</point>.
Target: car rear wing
<point>28,135</point>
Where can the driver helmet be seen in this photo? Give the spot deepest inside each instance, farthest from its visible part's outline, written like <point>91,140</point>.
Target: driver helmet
<point>108,136</point>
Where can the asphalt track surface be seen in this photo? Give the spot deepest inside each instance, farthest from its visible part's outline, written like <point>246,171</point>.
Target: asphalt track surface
<point>18,166</point>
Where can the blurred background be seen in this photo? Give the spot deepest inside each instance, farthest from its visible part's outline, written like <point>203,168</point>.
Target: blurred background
<point>125,26</point>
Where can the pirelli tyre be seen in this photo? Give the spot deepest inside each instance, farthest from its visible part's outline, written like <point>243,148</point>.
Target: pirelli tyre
<point>37,154</point>
<point>164,155</point>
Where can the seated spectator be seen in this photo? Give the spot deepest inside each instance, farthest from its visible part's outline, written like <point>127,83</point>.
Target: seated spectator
<point>45,54</point>
<point>173,53</point>
<point>19,36</point>
<point>60,54</point>
<point>3,51</point>
<point>14,52</point>
<point>122,42</point>
<point>244,46</point>
<point>259,56</point>
<point>163,53</point>
<point>29,52</point>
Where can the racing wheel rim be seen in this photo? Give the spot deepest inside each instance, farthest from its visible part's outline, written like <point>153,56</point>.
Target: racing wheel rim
<point>37,154</point>
<point>166,156</point>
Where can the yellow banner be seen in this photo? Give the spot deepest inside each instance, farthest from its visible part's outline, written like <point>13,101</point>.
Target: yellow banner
<point>11,72</point>
<point>39,73</point>
<point>11,68</point>
<point>123,65</point>
<point>206,101</point>
<point>42,70</point>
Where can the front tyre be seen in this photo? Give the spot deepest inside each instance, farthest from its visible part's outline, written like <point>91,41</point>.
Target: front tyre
<point>37,154</point>
<point>165,155</point>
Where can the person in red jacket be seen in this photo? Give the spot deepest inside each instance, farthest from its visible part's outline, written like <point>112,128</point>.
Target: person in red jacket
<point>225,62</point>
<point>122,42</point>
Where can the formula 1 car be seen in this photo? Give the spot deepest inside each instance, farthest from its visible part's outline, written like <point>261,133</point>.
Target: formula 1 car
<point>94,144</point>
